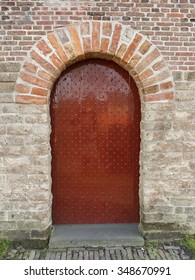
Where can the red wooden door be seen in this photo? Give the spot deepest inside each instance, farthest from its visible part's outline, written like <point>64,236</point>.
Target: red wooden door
<point>95,140</point>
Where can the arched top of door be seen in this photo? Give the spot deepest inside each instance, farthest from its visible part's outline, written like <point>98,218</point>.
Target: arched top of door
<point>107,40</point>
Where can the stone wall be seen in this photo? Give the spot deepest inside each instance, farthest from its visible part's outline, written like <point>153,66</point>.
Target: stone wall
<point>168,133</point>
<point>167,157</point>
<point>25,183</point>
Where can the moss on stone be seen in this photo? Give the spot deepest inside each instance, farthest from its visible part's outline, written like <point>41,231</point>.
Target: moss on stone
<point>5,245</point>
<point>189,243</point>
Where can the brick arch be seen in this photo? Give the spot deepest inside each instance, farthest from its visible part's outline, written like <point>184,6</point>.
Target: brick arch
<point>130,49</point>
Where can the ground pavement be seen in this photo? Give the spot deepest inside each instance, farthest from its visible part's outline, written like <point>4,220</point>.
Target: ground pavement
<point>150,252</point>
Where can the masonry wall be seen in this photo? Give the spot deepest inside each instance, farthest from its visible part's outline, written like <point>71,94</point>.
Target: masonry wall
<point>167,159</point>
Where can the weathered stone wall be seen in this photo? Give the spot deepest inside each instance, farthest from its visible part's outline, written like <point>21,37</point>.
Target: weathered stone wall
<point>168,137</point>
<point>25,163</point>
<point>167,159</point>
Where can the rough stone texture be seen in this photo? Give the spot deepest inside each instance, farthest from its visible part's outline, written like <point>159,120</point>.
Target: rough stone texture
<point>41,45</point>
<point>25,183</point>
<point>168,190</point>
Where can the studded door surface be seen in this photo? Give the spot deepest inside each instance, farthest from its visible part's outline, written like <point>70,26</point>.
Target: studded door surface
<point>95,140</point>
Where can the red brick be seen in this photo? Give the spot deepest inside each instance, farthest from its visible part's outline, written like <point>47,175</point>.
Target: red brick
<point>57,62</point>
<point>158,97</point>
<point>104,45</point>
<point>62,34</point>
<point>44,63</point>
<point>151,89</point>
<point>39,91</point>
<point>157,66</point>
<point>146,74</point>
<point>134,60</point>
<point>166,85</point>
<point>20,88</point>
<point>156,79</point>
<point>34,80</point>
<point>115,39</point>
<point>128,67</point>
<point>174,29</point>
<point>132,47</point>
<point>107,28</point>
<point>87,45</point>
<point>85,28</point>
<point>30,99</point>
<point>178,15</point>
<point>184,54</point>
<point>46,76</point>
<point>120,62</point>
<point>70,51</point>
<point>43,47</point>
<point>76,40</point>
<point>147,61</point>
<point>121,51</point>
<point>95,36</point>
<point>45,22</point>
<point>137,81</point>
<point>30,67</point>
<point>58,48</point>
<point>145,47</point>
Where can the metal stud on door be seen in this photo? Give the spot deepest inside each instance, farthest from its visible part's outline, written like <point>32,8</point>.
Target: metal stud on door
<point>95,140</point>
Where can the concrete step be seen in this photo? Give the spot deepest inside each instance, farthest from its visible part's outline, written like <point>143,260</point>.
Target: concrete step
<point>95,235</point>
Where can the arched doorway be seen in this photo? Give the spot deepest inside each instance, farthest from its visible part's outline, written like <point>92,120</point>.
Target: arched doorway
<point>95,140</point>
<point>61,48</point>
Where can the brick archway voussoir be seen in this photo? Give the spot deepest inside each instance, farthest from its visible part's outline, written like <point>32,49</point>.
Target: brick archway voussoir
<point>108,40</point>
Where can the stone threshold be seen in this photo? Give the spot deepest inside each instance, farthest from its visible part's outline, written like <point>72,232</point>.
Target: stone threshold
<point>95,235</point>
